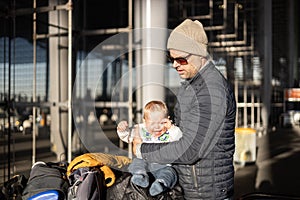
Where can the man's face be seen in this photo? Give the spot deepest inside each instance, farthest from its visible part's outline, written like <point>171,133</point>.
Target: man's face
<point>188,69</point>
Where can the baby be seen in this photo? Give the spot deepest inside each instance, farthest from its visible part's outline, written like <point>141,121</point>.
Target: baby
<point>156,128</point>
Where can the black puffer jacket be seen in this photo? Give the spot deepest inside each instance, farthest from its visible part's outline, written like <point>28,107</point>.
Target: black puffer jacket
<point>203,157</point>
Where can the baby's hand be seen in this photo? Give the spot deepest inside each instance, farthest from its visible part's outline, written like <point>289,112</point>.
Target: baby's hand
<point>122,126</point>
<point>168,123</point>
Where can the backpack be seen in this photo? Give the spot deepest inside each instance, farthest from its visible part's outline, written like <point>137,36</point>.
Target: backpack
<point>13,188</point>
<point>47,177</point>
<point>124,189</point>
<point>87,183</point>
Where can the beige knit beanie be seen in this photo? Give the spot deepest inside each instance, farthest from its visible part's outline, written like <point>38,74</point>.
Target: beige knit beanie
<point>190,37</point>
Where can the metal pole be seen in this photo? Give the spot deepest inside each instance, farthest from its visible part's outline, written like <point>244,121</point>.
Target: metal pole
<point>292,48</point>
<point>138,56</point>
<point>252,108</point>
<point>151,56</point>
<point>245,103</point>
<point>34,87</point>
<point>69,8</point>
<point>267,70</point>
<point>9,100</point>
<point>4,99</point>
<point>130,117</point>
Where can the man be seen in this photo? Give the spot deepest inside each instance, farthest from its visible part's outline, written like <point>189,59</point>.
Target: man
<point>205,113</point>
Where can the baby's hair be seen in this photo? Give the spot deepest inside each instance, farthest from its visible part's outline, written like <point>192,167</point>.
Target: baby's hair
<point>153,106</point>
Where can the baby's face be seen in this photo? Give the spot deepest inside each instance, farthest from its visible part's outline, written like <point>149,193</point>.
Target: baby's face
<point>156,123</point>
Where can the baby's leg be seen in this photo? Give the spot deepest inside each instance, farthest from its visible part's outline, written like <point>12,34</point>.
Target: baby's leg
<point>165,177</point>
<point>139,174</point>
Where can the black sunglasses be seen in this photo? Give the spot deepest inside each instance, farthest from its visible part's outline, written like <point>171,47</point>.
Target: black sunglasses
<point>179,60</point>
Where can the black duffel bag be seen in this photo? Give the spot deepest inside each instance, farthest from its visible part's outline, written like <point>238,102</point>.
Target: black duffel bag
<point>124,189</point>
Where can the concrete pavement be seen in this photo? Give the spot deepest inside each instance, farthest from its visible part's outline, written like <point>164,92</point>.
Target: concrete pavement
<point>277,168</point>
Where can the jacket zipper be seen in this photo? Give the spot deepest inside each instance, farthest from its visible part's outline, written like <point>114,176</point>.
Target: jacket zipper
<point>194,176</point>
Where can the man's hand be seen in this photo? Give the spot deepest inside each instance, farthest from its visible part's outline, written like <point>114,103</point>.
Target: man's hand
<point>136,139</point>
